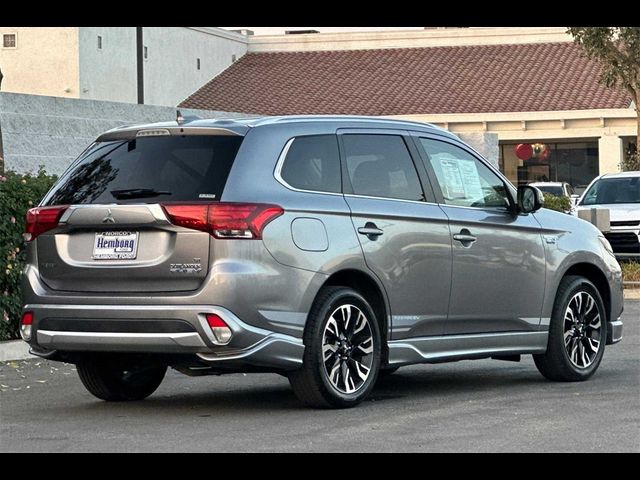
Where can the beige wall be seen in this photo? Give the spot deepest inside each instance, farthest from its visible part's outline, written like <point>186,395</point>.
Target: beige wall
<point>407,39</point>
<point>45,61</point>
<point>604,126</point>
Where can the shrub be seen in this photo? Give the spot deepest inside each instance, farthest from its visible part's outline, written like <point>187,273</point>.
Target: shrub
<point>630,162</point>
<point>18,193</point>
<point>559,204</point>
<point>630,271</point>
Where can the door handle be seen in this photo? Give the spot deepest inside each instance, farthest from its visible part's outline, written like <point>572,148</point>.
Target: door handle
<point>465,237</point>
<point>371,230</point>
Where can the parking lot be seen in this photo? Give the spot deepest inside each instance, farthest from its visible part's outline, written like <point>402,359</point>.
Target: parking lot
<point>466,406</point>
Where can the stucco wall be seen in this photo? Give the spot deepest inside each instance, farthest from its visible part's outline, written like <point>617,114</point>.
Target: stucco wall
<point>486,144</point>
<point>108,73</point>
<point>44,62</point>
<point>170,71</point>
<point>49,131</point>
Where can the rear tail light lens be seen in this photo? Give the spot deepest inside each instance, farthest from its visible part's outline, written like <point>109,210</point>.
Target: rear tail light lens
<point>25,326</point>
<point>224,220</point>
<point>220,329</point>
<point>42,219</point>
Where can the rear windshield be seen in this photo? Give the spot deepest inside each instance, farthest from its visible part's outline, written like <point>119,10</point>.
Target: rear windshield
<point>609,191</point>
<point>553,190</point>
<point>149,170</point>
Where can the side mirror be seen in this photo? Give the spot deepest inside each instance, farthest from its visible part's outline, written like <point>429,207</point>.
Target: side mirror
<point>530,199</point>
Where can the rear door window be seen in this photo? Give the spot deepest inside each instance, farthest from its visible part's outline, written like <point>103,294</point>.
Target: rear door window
<point>313,163</point>
<point>148,170</point>
<point>381,166</point>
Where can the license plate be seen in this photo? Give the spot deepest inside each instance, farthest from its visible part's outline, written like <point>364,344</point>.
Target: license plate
<point>115,246</point>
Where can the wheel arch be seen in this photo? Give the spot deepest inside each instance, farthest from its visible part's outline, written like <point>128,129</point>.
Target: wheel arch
<point>365,284</point>
<point>596,276</point>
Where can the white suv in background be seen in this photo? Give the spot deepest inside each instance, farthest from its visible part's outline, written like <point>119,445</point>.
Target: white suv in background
<point>620,194</point>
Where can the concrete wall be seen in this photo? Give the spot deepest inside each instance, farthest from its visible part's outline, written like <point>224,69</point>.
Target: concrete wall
<point>486,144</point>
<point>66,61</point>
<point>170,71</point>
<point>49,131</point>
<point>44,62</point>
<point>108,73</point>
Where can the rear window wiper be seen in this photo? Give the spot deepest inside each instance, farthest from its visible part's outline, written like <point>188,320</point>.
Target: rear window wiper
<point>138,193</point>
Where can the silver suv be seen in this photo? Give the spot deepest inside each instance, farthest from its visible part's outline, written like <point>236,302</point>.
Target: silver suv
<point>332,250</point>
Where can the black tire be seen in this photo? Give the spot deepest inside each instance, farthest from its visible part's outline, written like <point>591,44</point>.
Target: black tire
<point>311,383</point>
<point>555,364</point>
<point>120,379</point>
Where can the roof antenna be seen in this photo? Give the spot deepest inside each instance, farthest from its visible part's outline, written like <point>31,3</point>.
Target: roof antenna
<point>179,118</point>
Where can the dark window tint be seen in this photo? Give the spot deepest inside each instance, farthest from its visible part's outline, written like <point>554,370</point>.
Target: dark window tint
<point>380,166</point>
<point>464,180</point>
<point>610,191</point>
<point>313,163</point>
<point>170,168</point>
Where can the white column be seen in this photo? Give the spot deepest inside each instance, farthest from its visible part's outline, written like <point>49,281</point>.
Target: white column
<point>610,153</point>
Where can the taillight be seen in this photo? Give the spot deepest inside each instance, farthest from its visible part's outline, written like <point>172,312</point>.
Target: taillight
<point>224,220</point>
<point>220,329</point>
<point>25,326</point>
<point>42,219</point>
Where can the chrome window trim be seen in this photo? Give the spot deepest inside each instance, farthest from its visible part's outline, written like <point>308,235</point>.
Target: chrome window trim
<point>419,202</point>
<point>492,209</point>
<point>277,173</point>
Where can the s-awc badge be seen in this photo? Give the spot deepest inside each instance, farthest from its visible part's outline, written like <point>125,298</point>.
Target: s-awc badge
<point>195,267</point>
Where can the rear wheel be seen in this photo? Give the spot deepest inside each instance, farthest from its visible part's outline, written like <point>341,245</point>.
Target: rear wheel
<point>577,333</point>
<point>342,354</point>
<point>120,379</point>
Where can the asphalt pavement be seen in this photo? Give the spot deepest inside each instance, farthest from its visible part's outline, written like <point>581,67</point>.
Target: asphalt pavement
<point>482,405</point>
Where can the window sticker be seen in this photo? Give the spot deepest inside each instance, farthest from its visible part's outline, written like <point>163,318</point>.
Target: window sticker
<point>452,179</point>
<point>471,179</point>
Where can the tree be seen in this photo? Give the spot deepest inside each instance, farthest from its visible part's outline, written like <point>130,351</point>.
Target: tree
<point>617,49</point>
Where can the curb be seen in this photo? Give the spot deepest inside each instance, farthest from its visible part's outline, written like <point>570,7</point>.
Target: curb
<point>14,350</point>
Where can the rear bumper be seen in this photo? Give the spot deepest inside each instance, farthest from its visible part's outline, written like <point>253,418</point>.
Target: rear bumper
<point>151,329</point>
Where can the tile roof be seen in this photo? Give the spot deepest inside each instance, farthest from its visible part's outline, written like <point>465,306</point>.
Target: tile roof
<point>402,81</point>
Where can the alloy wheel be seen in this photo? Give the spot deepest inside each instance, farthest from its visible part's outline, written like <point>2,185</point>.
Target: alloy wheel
<point>347,349</point>
<point>582,329</point>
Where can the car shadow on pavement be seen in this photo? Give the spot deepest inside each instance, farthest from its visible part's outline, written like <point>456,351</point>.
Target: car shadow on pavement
<point>412,384</point>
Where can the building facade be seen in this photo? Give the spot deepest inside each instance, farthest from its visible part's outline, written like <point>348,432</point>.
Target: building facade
<point>101,63</point>
<point>532,87</point>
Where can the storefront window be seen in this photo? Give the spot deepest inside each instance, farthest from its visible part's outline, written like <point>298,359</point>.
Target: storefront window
<point>575,163</point>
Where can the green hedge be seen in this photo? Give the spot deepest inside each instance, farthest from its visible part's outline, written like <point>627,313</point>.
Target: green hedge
<point>554,202</point>
<point>18,193</point>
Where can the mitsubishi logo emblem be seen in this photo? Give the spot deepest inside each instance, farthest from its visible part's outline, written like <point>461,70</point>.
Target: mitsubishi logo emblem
<point>109,218</point>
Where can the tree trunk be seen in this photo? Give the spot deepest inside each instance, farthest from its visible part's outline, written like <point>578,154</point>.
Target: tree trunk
<point>638,129</point>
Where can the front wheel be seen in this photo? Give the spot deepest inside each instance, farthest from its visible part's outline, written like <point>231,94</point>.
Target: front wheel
<point>117,379</point>
<point>342,354</point>
<point>577,333</point>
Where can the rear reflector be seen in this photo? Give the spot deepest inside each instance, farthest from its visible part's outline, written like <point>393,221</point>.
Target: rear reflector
<point>42,219</point>
<point>220,329</point>
<point>224,220</point>
<point>25,326</point>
